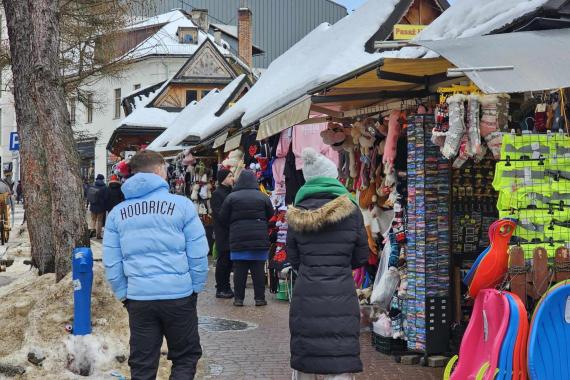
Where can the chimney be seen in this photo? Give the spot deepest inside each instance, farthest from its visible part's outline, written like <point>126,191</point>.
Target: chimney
<point>218,36</point>
<point>200,18</point>
<point>245,36</point>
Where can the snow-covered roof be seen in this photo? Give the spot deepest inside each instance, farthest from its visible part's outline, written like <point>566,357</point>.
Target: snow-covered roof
<point>326,53</point>
<point>166,42</point>
<point>196,118</point>
<point>230,30</point>
<point>160,19</point>
<point>469,18</point>
<point>143,116</point>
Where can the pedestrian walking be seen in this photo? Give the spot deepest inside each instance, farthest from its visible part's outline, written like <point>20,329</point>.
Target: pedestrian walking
<point>19,192</point>
<point>246,212</point>
<point>114,195</point>
<point>223,262</point>
<point>155,254</point>
<point>326,240</point>
<point>97,197</point>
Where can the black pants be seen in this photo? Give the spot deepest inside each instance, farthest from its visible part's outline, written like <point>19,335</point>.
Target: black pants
<point>176,319</point>
<point>223,271</point>
<point>257,269</point>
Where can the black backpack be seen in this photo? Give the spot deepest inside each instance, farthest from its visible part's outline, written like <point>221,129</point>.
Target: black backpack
<point>94,194</point>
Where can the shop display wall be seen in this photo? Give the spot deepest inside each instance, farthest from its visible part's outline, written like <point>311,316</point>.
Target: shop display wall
<point>533,181</point>
<point>428,239</point>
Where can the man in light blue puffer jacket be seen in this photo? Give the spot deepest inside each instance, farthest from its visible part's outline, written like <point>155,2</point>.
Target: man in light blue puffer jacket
<point>155,256</point>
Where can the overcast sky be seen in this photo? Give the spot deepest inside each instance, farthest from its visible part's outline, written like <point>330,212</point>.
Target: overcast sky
<point>353,4</point>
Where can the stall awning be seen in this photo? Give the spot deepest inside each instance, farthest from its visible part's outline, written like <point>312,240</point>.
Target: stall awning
<point>512,62</point>
<point>220,140</point>
<point>284,118</point>
<point>232,143</point>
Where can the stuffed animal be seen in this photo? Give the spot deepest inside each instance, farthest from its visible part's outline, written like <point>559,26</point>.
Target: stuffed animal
<point>366,136</point>
<point>334,135</point>
<point>195,191</point>
<point>356,131</point>
<point>235,162</point>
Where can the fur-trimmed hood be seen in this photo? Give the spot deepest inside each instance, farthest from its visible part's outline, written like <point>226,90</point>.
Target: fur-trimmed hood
<point>314,220</point>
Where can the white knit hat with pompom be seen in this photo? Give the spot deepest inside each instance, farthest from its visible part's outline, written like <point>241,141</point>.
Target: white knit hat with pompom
<point>317,165</point>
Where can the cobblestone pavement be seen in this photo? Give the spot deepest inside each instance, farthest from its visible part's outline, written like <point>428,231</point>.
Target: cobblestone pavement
<point>263,352</point>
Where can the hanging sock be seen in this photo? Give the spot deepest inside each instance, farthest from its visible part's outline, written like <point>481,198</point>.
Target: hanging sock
<point>473,130</point>
<point>490,122</point>
<point>456,125</point>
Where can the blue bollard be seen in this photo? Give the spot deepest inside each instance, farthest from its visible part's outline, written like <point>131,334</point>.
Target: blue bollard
<point>82,266</point>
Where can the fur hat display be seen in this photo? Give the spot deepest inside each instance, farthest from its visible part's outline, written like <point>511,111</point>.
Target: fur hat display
<point>317,165</point>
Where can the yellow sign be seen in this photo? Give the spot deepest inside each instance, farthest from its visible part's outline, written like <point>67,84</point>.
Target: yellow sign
<point>407,32</point>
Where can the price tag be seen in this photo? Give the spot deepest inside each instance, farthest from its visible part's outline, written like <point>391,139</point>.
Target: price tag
<point>535,146</point>
<point>567,311</point>
<point>535,155</point>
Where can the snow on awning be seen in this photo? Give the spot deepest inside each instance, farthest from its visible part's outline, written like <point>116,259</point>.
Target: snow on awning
<point>284,118</point>
<point>232,143</point>
<point>513,62</point>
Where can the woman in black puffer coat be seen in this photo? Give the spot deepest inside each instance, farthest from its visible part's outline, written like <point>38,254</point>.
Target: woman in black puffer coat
<point>326,240</point>
<point>246,213</point>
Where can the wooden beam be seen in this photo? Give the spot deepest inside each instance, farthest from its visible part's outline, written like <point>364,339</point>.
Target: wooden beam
<point>326,111</point>
<point>317,99</point>
<point>397,77</point>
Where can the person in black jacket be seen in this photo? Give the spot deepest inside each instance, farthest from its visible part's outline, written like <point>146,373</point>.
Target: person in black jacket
<point>223,263</point>
<point>326,240</point>
<point>97,197</point>
<point>114,193</point>
<point>246,212</point>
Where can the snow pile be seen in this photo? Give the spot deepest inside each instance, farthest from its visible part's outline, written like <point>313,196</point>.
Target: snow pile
<point>468,18</point>
<point>88,353</point>
<point>196,118</point>
<point>34,314</point>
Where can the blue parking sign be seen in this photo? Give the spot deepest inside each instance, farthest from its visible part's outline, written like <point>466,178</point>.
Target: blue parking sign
<point>14,141</point>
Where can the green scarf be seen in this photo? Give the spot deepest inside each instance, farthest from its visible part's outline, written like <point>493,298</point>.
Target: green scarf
<point>322,185</point>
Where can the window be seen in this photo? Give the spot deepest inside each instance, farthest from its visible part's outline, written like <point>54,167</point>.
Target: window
<point>187,35</point>
<point>137,86</point>
<point>117,103</point>
<point>72,111</point>
<point>191,95</point>
<point>204,93</point>
<point>89,108</point>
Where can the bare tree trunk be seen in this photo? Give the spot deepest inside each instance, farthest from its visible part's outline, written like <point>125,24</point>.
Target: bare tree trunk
<point>67,217</point>
<point>68,211</point>
<point>34,163</point>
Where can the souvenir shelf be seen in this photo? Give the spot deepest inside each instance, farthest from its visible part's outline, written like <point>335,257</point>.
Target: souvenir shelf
<point>428,255</point>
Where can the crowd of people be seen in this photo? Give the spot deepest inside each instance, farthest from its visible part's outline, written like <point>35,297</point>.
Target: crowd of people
<point>155,257</point>
<point>101,199</point>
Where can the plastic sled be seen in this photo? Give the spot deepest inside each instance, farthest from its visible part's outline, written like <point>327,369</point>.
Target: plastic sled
<point>493,267</point>
<point>549,337</point>
<point>473,269</point>
<point>506,357</point>
<point>481,344</point>
<point>519,358</point>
